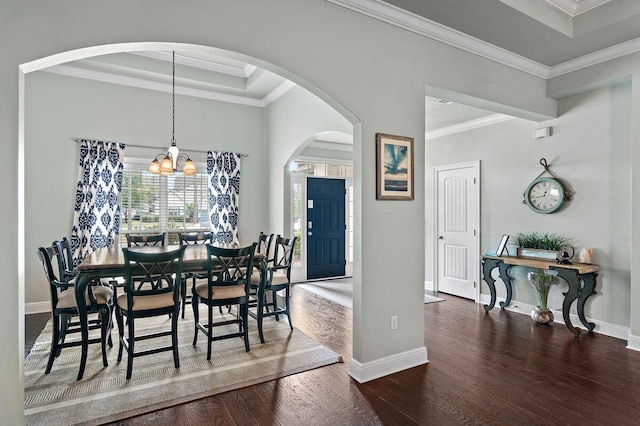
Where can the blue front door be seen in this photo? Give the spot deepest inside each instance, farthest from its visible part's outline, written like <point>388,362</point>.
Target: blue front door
<point>325,228</point>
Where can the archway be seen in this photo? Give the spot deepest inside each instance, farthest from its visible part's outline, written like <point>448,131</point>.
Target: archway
<point>88,52</point>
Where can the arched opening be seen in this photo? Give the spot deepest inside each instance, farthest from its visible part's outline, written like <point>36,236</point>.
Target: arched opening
<point>24,250</point>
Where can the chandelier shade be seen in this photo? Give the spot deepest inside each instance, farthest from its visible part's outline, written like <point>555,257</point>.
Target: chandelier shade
<point>171,160</point>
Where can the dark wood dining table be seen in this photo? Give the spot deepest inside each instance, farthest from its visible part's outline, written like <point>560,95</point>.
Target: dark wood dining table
<point>109,262</point>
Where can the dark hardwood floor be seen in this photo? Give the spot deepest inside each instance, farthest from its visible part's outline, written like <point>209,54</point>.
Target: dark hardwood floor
<point>485,369</point>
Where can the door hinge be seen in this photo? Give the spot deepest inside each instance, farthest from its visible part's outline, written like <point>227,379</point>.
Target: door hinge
<point>474,181</point>
<point>474,232</point>
<point>474,284</point>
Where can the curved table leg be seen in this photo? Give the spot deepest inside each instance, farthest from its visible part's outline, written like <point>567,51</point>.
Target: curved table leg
<point>487,266</point>
<point>261,297</point>
<point>571,277</point>
<point>588,289</point>
<point>82,280</point>
<point>506,278</point>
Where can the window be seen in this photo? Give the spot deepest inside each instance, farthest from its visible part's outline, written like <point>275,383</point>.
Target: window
<point>155,203</point>
<point>297,222</point>
<point>311,168</point>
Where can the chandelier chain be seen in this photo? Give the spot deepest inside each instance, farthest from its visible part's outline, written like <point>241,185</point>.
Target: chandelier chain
<point>173,91</point>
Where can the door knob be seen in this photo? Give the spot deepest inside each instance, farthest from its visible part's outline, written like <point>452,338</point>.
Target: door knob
<point>309,233</point>
<point>441,237</point>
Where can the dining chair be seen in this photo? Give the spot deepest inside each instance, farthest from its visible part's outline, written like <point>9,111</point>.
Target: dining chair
<point>278,279</point>
<point>192,239</point>
<point>98,300</point>
<point>149,301</point>
<point>228,275</point>
<point>144,240</point>
<point>70,271</point>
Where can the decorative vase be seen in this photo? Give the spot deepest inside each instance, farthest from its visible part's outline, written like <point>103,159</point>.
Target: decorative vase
<point>542,316</point>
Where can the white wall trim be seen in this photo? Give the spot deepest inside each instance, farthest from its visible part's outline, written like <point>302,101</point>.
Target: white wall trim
<point>388,365</point>
<point>468,125</point>
<point>633,342</point>
<point>417,24</point>
<point>142,83</point>
<point>199,63</point>
<point>390,14</point>
<point>277,92</point>
<point>574,8</point>
<point>428,286</point>
<point>605,328</point>
<point>37,307</point>
<point>604,55</point>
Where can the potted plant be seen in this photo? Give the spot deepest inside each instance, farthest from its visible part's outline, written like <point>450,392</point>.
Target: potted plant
<point>541,245</point>
<point>541,281</point>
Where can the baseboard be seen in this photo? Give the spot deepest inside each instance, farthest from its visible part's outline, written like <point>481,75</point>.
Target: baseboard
<point>388,365</point>
<point>633,342</point>
<point>37,307</point>
<point>608,329</point>
<point>428,286</point>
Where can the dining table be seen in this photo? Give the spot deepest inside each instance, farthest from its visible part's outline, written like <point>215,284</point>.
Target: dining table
<point>109,262</point>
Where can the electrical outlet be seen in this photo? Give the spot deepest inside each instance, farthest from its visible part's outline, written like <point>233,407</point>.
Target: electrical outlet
<point>394,322</point>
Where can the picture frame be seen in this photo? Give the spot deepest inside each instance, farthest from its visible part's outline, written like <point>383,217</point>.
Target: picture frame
<point>394,167</point>
<point>502,245</point>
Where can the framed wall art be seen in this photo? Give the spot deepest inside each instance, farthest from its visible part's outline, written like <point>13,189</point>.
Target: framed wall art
<point>394,167</point>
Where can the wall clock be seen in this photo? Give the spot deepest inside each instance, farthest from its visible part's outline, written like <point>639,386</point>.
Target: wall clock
<point>545,194</point>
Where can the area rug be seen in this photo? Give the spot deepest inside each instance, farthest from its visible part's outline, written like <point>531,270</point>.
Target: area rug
<point>432,299</point>
<point>339,291</point>
<point>103,395</point>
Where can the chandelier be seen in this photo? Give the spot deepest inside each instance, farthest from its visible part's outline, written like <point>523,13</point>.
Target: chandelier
<point>171,160</point>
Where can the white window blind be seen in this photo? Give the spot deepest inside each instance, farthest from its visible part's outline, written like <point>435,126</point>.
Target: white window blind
<point>155,203</point>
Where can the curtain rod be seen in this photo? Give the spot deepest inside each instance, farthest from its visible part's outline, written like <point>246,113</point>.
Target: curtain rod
<point>78,140</point>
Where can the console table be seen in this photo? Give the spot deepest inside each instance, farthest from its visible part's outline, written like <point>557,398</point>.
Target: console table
<point>581,278</point>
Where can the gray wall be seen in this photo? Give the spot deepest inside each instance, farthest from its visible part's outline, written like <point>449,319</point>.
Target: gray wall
<point>291,122</point>
<point>355,65</point>
<point>590,150</point>
<point>59,108</point>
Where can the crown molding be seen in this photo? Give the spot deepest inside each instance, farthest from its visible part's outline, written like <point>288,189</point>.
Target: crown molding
<point>393,15</point>
<point>409,21</point>
<point>277,92</point>
<point>141,83</point>
<point>468,125</point>
<point>574,8</point>
<point>199,63</point>
<point>604,55</point>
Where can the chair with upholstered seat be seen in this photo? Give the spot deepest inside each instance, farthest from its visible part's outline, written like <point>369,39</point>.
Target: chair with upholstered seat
<point>228,275</point>
<point>144,240</point>
<point>163,271</point>
<point>70,271</point>
<point>192,239</point>
<point>64,308</point>
<point>278,279</point>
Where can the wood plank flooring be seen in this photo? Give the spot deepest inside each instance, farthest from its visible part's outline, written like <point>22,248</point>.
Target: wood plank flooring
<point>485,369</point>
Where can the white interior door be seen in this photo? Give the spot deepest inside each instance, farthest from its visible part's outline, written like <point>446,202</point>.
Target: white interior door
<point>457,229</point>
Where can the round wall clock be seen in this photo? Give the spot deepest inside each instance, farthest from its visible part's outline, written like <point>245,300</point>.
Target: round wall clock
<point>545,195</point>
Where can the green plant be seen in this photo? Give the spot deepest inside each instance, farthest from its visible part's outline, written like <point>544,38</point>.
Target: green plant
<point>541,281</point>
<point>543,241</point>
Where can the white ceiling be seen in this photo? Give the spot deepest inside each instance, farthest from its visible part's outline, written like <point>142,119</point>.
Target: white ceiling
<point>542,37</point>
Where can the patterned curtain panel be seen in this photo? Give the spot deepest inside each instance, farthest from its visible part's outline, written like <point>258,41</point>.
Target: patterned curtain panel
<point>96,219</point>
<point>223,169</point>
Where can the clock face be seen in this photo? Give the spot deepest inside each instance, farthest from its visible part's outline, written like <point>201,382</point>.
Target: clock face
<point>545,195</point>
